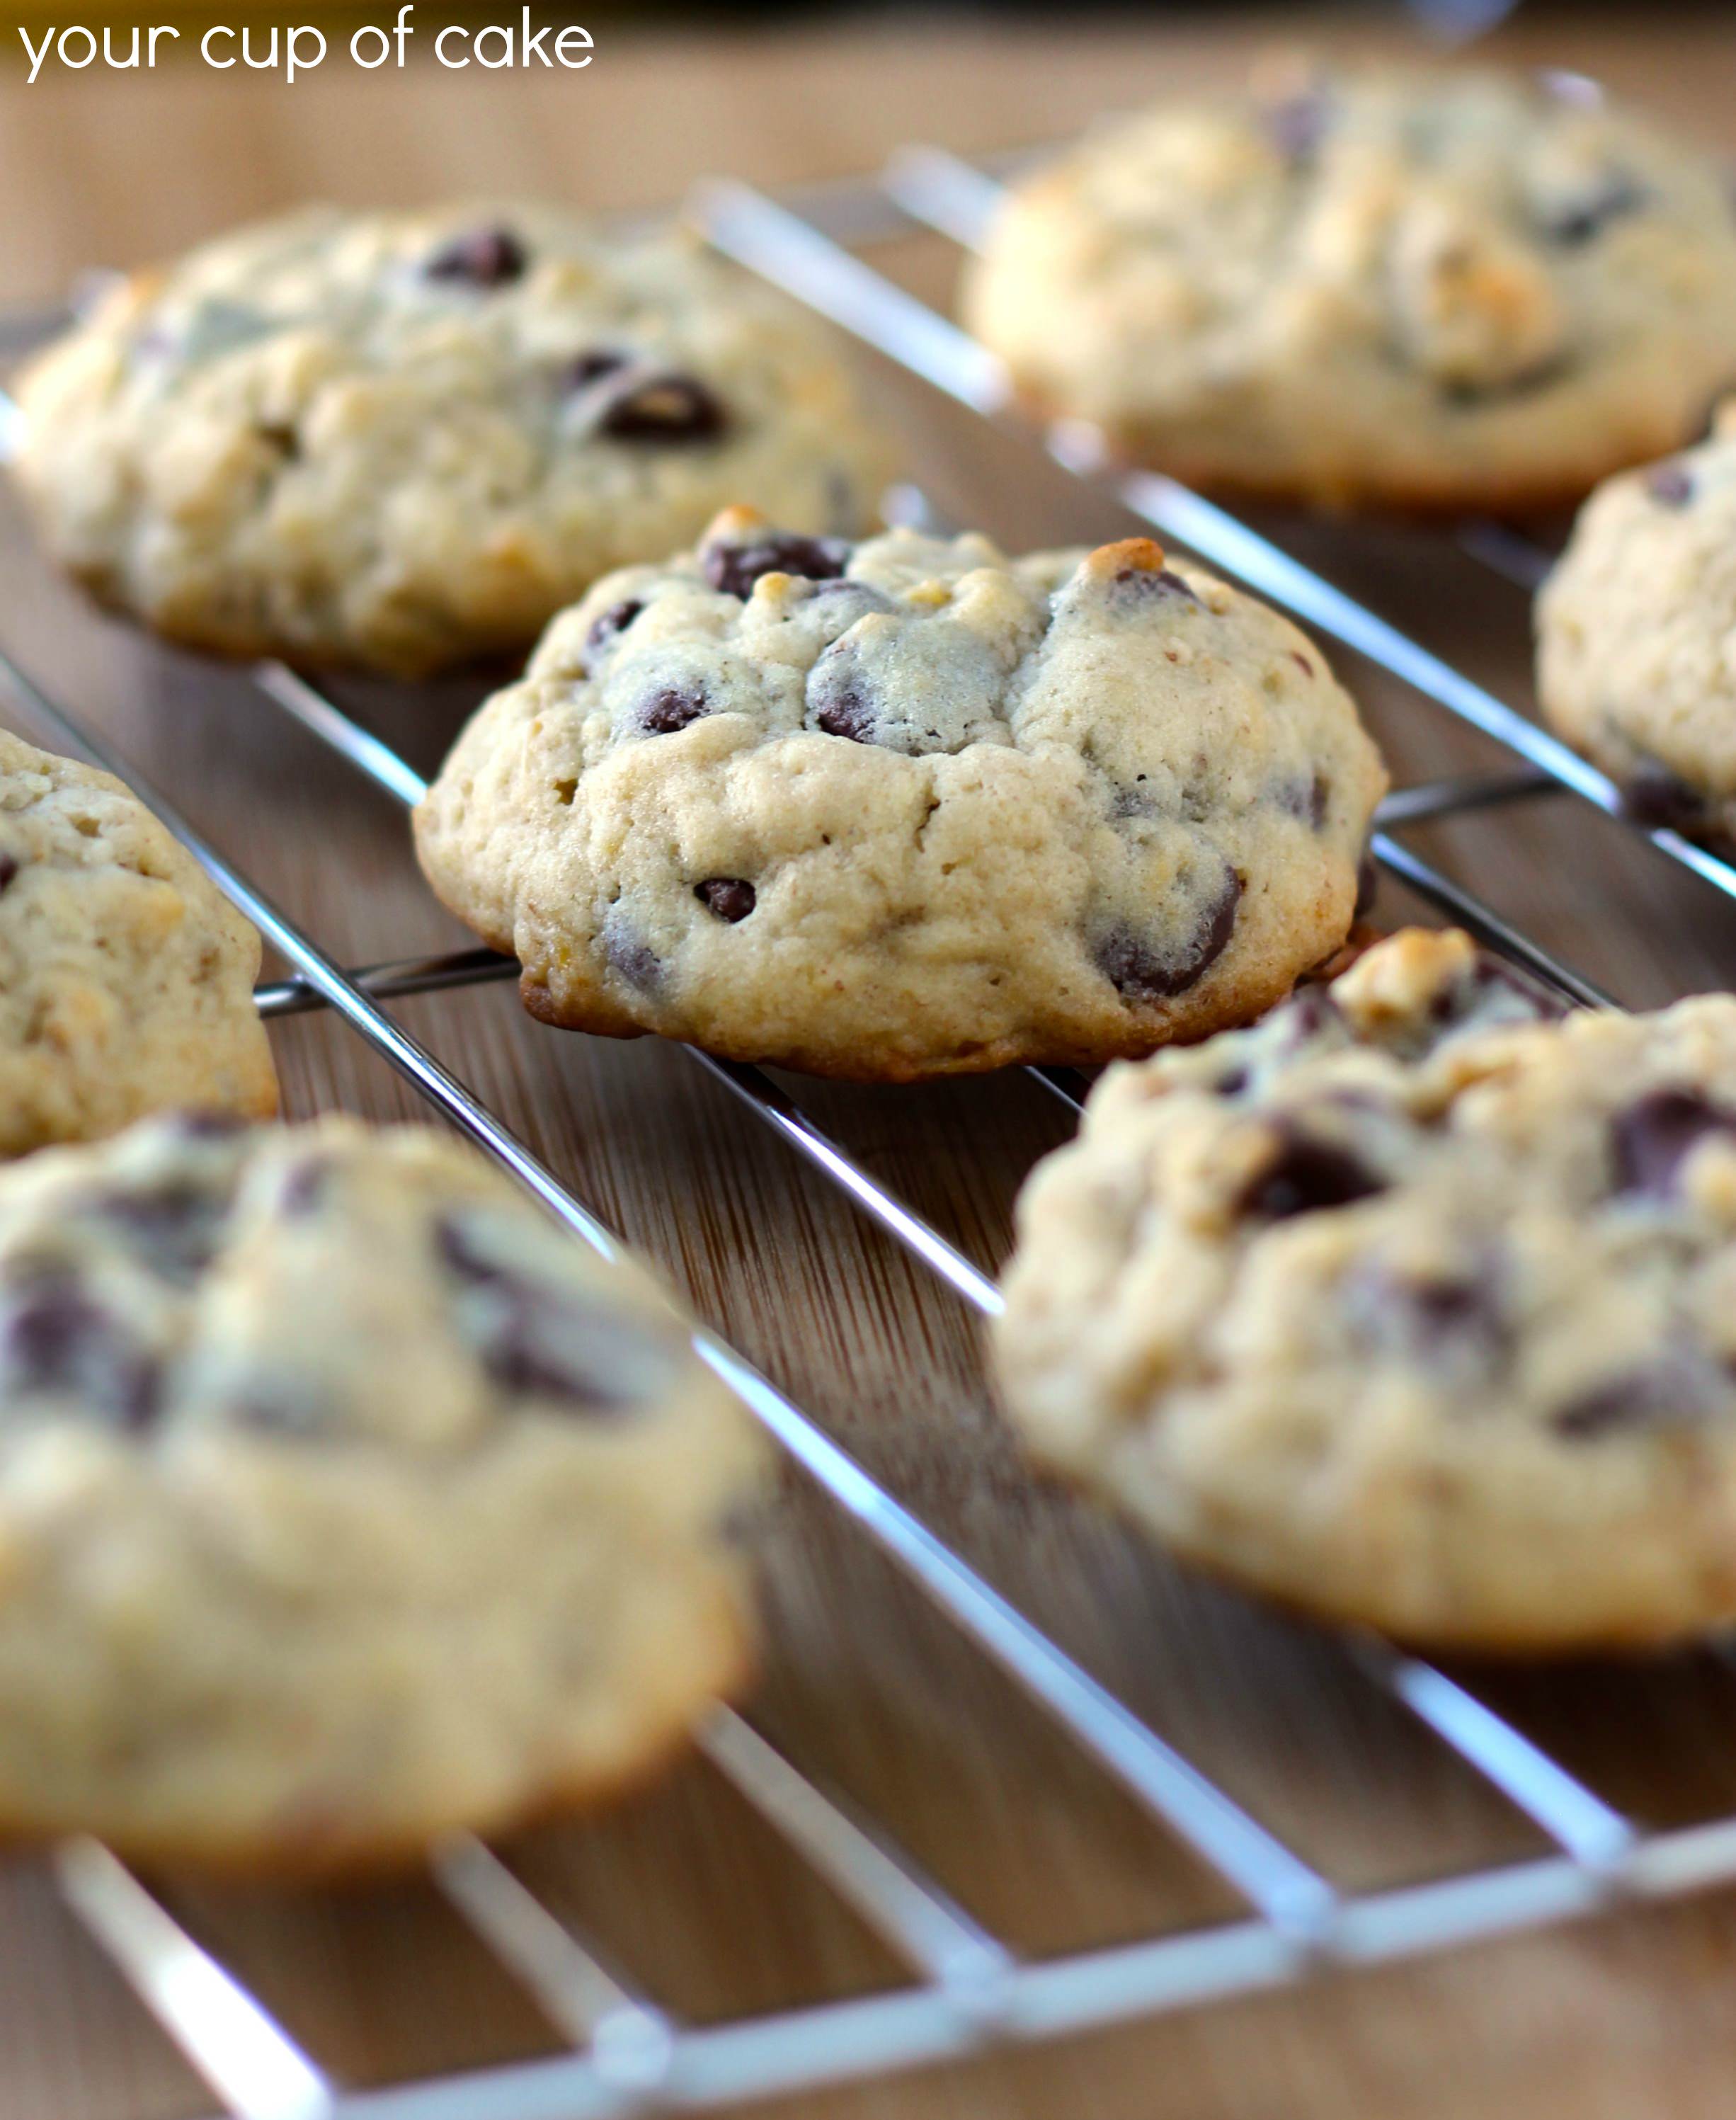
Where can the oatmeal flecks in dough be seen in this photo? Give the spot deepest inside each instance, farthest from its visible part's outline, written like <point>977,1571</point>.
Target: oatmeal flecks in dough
<point>1637,638</point>
<point>1434,290</point>
<point>126,977</point>
<point>1412,1306</point>
<point>346,1502</point>
<point>908,807</point>
<point>406,441</point>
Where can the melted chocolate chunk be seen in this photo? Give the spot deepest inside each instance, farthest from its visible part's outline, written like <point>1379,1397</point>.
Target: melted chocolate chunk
<point>728,896</point>
<point>1654,796</point>
<point>668,711</point>
<point>485,258</point>
<point>1651,1141</point>
<point>616,620</point>
<point>285,440</point>
<point>664,408</point>
<point>735,568</point>
<point>1670,485</point>
<point>54,1339</point>
<point>1136,971</point>
<point>1306,1176</point>
<point>8,870</point>
<point>1584,219</point>
<point>585,369</point>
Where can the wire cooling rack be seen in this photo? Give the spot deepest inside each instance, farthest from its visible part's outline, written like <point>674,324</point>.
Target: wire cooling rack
<point>965,1989</point>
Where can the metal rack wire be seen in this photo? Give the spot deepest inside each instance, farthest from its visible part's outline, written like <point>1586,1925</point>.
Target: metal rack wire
<point>967,1988</point>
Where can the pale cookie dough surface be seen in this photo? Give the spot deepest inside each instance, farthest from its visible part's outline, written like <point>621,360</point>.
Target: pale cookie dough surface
<point>126,977</point>
<point>1637,638</point>
<point>344,1500</point>
<point>909,807</point>
<point>1422,289</point>
<point>406,441</point>
<point>1412,1306</point>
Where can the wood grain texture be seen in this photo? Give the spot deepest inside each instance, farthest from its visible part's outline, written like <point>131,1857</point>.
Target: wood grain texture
<point>1633,2016</point>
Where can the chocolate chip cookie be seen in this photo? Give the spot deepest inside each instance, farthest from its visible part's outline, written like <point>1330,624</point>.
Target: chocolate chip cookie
<point>405,441</point>
<point>126,977</point>
<point>908,807</point>
<point>1413,1304</point>
<point>345,1502</point>
<point>1637,638</point>
<point>1427,288</point>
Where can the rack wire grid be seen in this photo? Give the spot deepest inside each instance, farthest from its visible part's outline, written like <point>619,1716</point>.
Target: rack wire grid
<point>966,1989</point>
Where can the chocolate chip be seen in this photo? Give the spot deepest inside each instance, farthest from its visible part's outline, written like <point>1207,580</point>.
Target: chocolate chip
<point>1582,219</point>
<point>1670,485</point>
<point>586,368</point>
<point>173,1227</point>
<point>1296,125</point>
<point>1306,1176</point>
<point>1675,1388</point>
<point>728,896</point>
<point>550,1343</point>
<point>735,568</point>
<point>670,710</point>
<point>1439,1310</point>
<point>53,1338</point>
<point>1651,1139</point>
<point>485,258</point>
<point>285,440</point>
<point>1308,801</point>
<point>1652,795</point>
<point>839,700</point>
<point>1367,885</point>
<point>664,408</point>
<point>1309,1010</point>
<point>637,963</point>
<point>304,1184</point>
<point>616,620</point>
<point>209,1125</point>
<point>1488,978</point>
<point>8,870</point>
<point>1136,971</point>
<point>1140,585</point>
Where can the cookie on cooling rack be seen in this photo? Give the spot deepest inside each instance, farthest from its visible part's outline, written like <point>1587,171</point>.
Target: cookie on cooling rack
<point>407,441</point>
<point>344,1501</point>
<point>1408,1306</point>
<point>126,977</point>
<point>1425,290</point>
<point>1637,638</point>
<point>908,807</point>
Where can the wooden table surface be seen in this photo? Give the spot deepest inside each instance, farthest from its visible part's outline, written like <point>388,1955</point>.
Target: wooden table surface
<point>1633,2014</point>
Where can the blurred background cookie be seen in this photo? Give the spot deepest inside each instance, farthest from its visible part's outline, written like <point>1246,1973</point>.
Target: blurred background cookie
<point>345,1501</point>
<point>1636,638</point>
<point>404,441</point>
<point>126,977</point>
<point>1418,288</point>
